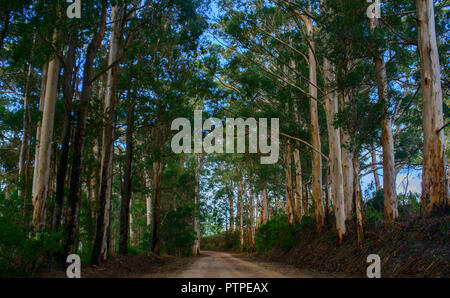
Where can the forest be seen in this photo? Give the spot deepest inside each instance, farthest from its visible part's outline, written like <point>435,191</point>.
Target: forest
<point>350,98</point>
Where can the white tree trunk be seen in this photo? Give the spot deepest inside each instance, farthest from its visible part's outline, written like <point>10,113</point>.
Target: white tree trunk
<point>347,168</point>
<point>434,183</point>
<point>375,174</point>
<point>334,141</point>
<point>109,107</point>
<point>48,117</point>
<point>317,159</point>
<point>38,130</point>
<point>298,186</point>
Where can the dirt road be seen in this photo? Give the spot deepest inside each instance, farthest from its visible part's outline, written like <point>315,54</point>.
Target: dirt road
<point>226,265</point>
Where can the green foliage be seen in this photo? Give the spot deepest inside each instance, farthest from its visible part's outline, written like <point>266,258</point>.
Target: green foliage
<point>276,232</point>
<point>177,234</point>
<point>408,204</point>
<point>23,252</point>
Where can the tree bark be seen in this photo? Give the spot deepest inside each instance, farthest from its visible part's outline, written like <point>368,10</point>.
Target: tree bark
<point>357,197</point>
<point>24,145</point>
<point>315,133</point>
<point>46,135</point>
<point>232,228</point>
<point>289,187</point>
<point>157,172</point>
<point>66,133</point>
<point>196,247</point>
<point>334,144</point>
<point>298,186</point>
<point>74,199</point>
<point>241,214</point>
<point>387,140</point>
<point>148,200</point>
<point>434,199</point>
<point>374,172</point>
<point>347,167</point>
<point>126,193</point>
<point>100,250</point>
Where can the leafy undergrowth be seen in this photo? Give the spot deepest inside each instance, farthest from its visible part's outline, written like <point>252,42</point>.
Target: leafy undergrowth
<point>412,248</point>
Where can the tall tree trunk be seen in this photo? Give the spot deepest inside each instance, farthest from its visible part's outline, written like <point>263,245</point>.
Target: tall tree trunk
<point>74,199</point>
<point>289,187</point>
<point>24,145</point>
<point>231,210</point>
<point>387,140</point>
<point>357,196</point>
<point>66,133</point>
<point>48,117</point>
<point>241,214</point>
<point>298,186</point>
<point>126,194</point>
<point>196,248</point>
<point>130,227</point>
<point>157,172</point>
<point>434,198</point>
<point>315,133</point>
<point>374,171</point>
<point>38,130</point>
<point>100,250</point>
<point>266,214</point>
<point>251,207</point>
<point>148,200</point>
<point>334,144</point>
<point>347,167</point>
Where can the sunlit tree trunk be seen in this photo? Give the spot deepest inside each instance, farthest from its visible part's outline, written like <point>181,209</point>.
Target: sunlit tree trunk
<point>334,144</point>
<point>387,140</point>
<point>298,186</point>
<point>289,187</point>
<point>48,117</point>
<point>434,198</point>
<point>315,133</point>
<point>265,203</point>
<point>357,196</point>
<point>375,175</point>
<point>38,130</point>
<point>347,167</point>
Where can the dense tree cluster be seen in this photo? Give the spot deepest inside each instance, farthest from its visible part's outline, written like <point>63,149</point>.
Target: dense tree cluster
<point>86,106</point>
